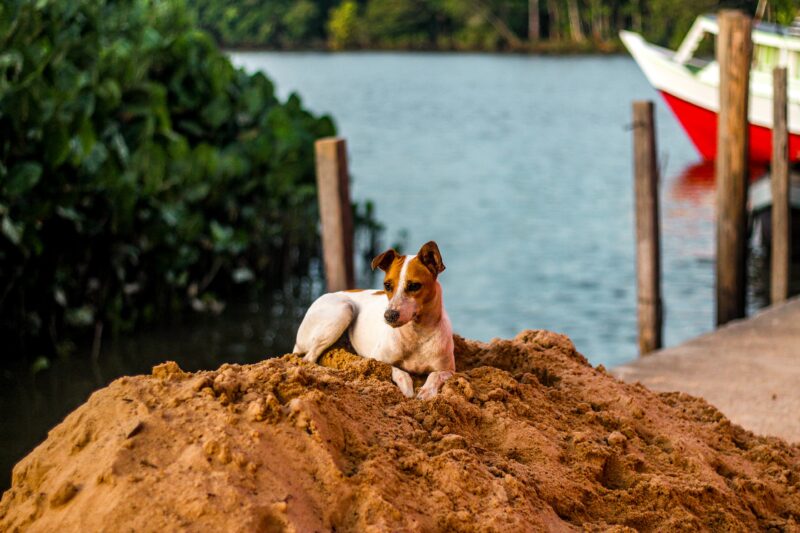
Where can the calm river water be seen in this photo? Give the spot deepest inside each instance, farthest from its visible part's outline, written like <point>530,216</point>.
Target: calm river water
<point>519,167</point>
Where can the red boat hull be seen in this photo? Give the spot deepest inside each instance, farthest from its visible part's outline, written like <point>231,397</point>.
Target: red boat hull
<point>701,126</point>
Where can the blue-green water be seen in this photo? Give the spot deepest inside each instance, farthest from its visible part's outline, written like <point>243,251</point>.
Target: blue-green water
<point>519,167</point>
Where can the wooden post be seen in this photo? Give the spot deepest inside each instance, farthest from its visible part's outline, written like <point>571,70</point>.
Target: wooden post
<point>734,52</point>
<point>648,246</point>
<point>781,221</point>
<point>335,213</point>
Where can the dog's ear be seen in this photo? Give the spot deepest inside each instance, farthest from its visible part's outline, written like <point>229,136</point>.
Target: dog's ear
<point>384,261</point>
<point>429,256</point>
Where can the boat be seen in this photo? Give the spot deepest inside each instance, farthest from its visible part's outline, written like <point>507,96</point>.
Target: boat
<point>689,83</point>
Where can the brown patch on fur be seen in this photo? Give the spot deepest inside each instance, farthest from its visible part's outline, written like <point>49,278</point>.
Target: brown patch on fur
<point>354,290</point>
<point>393,274</point>
<point>427,297</point>
<point>422,269</point>
<point>378,293</point>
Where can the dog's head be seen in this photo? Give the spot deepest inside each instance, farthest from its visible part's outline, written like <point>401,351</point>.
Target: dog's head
<point>410,283</point>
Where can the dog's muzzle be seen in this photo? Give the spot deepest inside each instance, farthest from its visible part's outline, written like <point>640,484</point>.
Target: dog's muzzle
<point>391,316</point>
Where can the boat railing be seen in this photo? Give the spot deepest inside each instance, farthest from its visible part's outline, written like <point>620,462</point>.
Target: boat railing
<point>765,35</point>
<point>701,26</point>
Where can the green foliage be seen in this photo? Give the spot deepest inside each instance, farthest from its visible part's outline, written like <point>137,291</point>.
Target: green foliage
<point>456,24</point>
<point>398,23</point>
<point>274,24</point>
<point>343,26</point>
<point>785,10</point>
<point>476,34</point>
<point>669,20</point>
<point>299,21</point>
<point>139,171</point>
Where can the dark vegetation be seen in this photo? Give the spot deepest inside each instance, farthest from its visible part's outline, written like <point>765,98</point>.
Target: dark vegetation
<point>537,25</point>
<point>141,174</point>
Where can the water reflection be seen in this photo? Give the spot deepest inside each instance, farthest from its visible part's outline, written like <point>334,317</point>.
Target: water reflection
<point>694,184</point>
<point>690,228</point>
<point>32,403</point>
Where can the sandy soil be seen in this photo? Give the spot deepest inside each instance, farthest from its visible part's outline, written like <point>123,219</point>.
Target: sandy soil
<point>526,437</point>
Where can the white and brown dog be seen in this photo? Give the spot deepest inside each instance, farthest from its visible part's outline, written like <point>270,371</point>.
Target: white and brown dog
<point>412,333</point>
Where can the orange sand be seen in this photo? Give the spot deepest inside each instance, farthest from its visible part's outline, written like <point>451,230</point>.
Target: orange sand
<point>527,436</point>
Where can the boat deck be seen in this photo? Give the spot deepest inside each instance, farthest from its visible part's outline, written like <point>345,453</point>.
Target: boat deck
<point>748,369</point>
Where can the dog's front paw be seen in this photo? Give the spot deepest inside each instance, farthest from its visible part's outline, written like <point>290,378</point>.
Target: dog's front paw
<point>311,357</point>
<point>403,381</point>
<point>433,384</point>
<point>427,392</point>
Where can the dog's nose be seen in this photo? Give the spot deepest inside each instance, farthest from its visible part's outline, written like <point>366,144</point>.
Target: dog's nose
<point>391,316</point>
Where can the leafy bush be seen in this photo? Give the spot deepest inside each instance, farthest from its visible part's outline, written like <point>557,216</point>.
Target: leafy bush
<point>458,24</point>
<point>139,171</point>
<point>343,26</point>
<point>274,24</point>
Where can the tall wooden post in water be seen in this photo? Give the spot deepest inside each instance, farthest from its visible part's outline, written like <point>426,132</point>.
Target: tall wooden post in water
<point>781,222</point>
<point>335,213</point>
<point>734,52</point>
<point>648,246</point>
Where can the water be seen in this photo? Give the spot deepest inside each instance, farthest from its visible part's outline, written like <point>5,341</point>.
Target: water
<point>519,167</point>
<point>31,403</point>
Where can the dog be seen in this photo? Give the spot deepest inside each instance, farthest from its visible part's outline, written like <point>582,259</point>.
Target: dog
<point>404,325</point>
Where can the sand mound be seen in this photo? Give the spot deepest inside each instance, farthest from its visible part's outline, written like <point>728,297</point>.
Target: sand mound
<point>526,437</point>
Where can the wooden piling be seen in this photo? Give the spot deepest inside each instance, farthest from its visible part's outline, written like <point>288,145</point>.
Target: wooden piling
<point>648,246</point>
<point>734,52</point>
<point>781,222</point>
<point>335,212</point>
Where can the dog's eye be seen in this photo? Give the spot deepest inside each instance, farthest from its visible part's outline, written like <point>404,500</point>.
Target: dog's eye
<point>413,286</point>
<point>388,286</point>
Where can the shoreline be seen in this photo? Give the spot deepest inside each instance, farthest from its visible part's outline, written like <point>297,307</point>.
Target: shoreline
<point>544,48</point>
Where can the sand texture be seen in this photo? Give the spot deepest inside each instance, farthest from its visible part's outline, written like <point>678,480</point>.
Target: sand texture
<point>526,437</point>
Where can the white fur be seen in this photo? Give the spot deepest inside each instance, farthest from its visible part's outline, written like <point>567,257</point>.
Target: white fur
<point>405,305</point>
<point>411,347</point>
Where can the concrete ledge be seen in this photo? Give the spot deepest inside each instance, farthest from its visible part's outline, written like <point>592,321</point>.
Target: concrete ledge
<point>749,369</point>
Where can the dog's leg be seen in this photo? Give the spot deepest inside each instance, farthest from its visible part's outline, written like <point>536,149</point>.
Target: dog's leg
<point>403,381</point>
<point>433,384</point>
<point>325,321</point>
